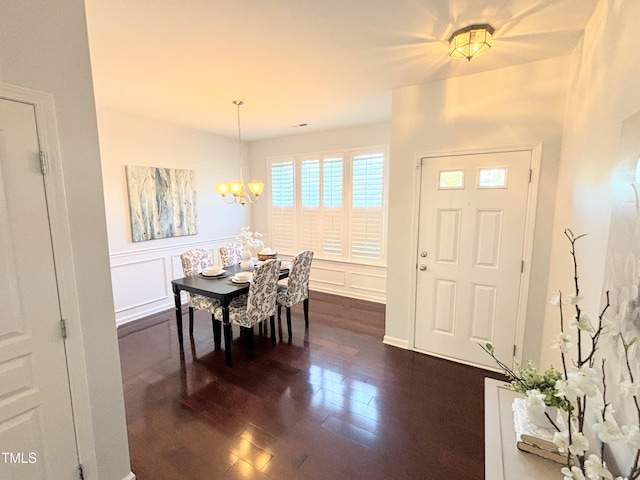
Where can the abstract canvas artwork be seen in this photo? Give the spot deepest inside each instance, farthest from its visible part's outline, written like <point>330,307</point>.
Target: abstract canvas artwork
<point>623,256</point>
<point>162,202</point>
<point>622,272</point>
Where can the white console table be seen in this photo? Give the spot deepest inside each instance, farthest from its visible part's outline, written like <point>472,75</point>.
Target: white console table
<point>502,459</point>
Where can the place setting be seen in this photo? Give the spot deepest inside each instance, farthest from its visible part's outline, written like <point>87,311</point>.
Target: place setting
<point>215,271</point>
<point>240,278</point>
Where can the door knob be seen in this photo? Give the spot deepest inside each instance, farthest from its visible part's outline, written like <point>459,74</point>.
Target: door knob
<point>423,267</point>
<point>423,254</point>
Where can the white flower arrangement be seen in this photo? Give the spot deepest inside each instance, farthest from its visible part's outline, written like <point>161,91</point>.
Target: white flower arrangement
<point>249,238</point>
<point>580,388</point>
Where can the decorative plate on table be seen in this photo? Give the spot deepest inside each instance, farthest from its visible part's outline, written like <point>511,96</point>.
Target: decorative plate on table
<point>241,280</point>
<point>220,273</point>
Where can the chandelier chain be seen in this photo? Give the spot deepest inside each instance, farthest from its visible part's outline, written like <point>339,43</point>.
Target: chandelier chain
<point>241,193</point>
<point>238,103</point>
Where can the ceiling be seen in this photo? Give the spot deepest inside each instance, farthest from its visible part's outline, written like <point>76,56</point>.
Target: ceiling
<point>326,63</point>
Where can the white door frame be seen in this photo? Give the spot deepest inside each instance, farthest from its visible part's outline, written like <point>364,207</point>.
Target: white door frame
<point>532,202</point>
<point>46,125</point>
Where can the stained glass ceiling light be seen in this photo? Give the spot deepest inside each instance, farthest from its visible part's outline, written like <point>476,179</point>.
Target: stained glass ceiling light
<point>470,41</point>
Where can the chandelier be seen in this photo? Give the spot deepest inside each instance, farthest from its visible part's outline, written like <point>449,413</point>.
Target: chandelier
<point>240,193</point>
<point>470,41</point>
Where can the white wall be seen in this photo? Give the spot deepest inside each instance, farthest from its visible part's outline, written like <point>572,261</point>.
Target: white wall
<point>142,271</point>
<point>604,91</point>
<point>43,46</point>
<point>341,278</point>
<point>513,106</point>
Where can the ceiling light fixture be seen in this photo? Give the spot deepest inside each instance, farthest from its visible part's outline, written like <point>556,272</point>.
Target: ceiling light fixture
<point>237,189</point>
<point>470,41</point>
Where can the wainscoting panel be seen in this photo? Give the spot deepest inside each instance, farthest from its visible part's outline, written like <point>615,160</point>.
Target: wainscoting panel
<point>176,266</point>
<point>142,278</point>
<point>140,282</point>
<point>373,284</point>
<point>329,276</point>
<point>366,282</point>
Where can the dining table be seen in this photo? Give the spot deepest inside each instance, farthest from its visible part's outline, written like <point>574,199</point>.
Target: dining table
<point>219,287</point>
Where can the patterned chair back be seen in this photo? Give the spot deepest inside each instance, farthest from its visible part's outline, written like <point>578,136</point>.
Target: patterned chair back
<point>261,302</point>
<point>298,285</point>
<point>195,261</point>
<point>230,254</point>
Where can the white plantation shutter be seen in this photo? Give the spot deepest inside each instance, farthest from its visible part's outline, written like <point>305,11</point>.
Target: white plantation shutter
<point>310,211</point>
<point>283,206</point>
<point>367,212</point>
<point>332,206</point>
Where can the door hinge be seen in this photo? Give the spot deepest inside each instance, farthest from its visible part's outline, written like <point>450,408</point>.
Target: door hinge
<point>63,328</point>
<point>514,350</point>
<point>530,174</point>
<point>80,472</point>
<point>43,163</point>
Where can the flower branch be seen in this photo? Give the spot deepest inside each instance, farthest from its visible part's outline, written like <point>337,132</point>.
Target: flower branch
<point>249,238</point>
<point>581,391</point>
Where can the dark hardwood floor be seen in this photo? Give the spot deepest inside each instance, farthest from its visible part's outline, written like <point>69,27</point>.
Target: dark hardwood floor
<point>334,403</point>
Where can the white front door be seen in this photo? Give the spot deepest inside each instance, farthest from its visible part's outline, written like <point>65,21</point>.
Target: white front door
<point>470,252</point>
<point>37,437</point>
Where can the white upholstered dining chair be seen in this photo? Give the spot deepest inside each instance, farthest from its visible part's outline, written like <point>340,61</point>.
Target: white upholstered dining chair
<point>230,254</point>
<point>297,288</point>
<point>258,305</point>
<point>194,261</point>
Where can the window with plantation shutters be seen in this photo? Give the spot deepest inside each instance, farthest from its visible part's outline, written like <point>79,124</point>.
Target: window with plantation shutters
<point>367,214</point>
<point>310,207</point>
<point>331,203</point>
<point>283,205</point>
<point>332,207</point>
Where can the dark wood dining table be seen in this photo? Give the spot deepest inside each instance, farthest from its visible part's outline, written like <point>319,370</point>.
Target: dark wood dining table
<point>219,288</point>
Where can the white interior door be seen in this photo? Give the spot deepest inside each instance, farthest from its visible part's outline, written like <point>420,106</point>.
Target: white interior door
<point>37,437</point>
<point>470,253</point>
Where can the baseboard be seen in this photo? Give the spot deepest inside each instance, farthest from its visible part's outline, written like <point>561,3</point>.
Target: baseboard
<point>160,307</point>
<point>395,342</point>
<point>358,295</point>
<point>169,315</point>
<point>135,325</point>
<point>131,476</point>
<point>122,320</point>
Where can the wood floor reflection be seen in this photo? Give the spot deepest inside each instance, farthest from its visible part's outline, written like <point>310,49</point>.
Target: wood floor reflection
<point>334,403</point>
